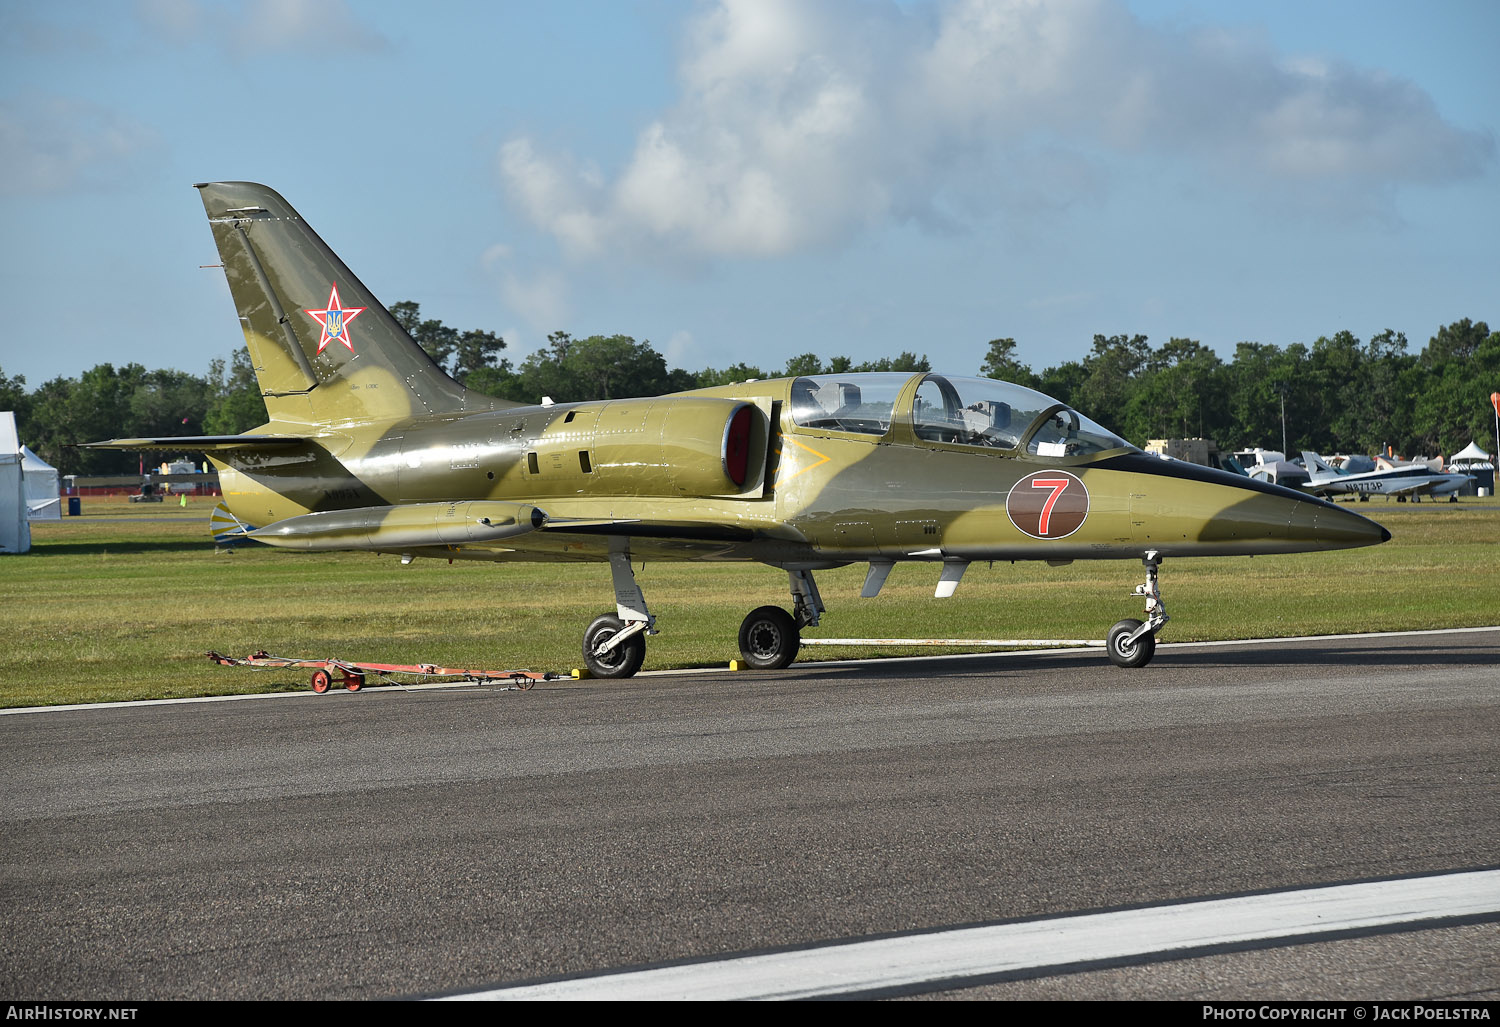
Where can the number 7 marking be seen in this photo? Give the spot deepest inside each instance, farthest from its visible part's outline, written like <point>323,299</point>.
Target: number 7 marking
<point>1057,485</point>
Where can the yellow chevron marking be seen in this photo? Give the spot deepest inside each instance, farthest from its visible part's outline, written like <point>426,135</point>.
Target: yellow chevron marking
<point>822,459</point>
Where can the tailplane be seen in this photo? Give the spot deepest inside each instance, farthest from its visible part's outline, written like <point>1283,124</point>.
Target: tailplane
<point>324,348</point>
<point>226,528</point>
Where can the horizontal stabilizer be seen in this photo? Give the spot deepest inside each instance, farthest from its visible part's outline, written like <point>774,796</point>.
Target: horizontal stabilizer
<point>225,527</point>
<point>198,443</point>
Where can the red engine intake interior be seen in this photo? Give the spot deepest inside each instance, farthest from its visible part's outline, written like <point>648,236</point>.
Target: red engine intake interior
<point>737,445</point>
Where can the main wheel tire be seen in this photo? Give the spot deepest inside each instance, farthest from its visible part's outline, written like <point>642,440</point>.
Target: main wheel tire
<point>1123,653</point>
<point>769,638</point>
<point>620,662</point>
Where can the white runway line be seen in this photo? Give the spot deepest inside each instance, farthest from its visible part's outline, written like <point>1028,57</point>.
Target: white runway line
<point>977,952</point>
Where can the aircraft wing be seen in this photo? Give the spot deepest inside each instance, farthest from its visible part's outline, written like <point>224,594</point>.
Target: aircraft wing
<point>1382,483</point>
<point>1438,484</point>
<point>1324,488</point>
<point>202,443</point>
<point>1412,488</point>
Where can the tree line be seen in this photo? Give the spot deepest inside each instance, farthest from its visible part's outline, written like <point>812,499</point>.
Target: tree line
<point>1339,395</point>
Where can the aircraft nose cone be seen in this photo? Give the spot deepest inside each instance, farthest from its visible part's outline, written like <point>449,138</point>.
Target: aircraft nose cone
<point>1343,528</point>
<point>1292,524</point>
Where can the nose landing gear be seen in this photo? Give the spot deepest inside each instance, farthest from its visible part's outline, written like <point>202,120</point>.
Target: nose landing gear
<point>1131,643</point>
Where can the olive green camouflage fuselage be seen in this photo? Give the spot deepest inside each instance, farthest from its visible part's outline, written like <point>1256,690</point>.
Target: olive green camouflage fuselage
<point>650,471</point>
<point>369,445</point>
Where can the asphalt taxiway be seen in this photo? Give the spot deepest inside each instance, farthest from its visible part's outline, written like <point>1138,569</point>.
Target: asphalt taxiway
<point>391,843</point>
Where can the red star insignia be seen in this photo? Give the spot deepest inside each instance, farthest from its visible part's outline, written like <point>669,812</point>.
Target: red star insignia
<point>335,320</point>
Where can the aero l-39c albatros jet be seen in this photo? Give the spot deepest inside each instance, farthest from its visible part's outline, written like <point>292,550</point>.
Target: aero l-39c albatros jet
<point>370,446</point>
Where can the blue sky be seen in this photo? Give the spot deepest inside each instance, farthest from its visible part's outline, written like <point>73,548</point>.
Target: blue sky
<point>752,179</point>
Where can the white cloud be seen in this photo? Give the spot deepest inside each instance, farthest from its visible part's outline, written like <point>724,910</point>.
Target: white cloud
<point>55,144</point>
<point>555,193</point>
<point>681,349</point>
<point>801,122</point>
<point>495,254</point>
<point>540,298</point>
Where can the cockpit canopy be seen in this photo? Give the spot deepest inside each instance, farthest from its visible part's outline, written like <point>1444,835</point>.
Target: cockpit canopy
<point>980,412</point>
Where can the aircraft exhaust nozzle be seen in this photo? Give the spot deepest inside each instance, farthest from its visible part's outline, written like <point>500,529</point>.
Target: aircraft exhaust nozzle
<point>387,528</point>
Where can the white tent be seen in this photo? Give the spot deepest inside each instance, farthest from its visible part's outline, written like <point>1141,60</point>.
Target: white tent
<point>1473,461</point>
<point>15,531</point>
<point>1472,456</point>
<point>43,502</point>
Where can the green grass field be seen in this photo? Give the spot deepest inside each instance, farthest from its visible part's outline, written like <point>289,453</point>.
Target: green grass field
<point>123,602</point>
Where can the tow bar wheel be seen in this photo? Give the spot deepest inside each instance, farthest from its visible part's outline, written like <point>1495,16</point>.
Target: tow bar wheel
<point>321,681</point>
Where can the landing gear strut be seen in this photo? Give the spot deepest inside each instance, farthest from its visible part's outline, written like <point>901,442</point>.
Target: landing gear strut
<point>1131,643</point>
<point>614,646</point>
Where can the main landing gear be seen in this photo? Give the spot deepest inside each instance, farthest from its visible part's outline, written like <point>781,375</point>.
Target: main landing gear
<point>1131,643</point>
<point>770,637</point>
<point>614,646</point>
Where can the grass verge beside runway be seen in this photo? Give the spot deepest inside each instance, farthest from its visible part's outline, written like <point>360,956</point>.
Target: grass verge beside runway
<point>124,606</point>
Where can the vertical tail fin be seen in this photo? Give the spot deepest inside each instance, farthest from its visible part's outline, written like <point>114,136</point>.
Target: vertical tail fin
<point>1317,467</point>
<point>324,348</point>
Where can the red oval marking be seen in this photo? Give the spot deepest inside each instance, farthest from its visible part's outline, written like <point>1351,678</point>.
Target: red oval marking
<point>1048,504</point>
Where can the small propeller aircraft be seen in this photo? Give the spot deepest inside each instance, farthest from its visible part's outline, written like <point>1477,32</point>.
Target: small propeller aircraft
<point>370,446</point>
<point>1399,480</point>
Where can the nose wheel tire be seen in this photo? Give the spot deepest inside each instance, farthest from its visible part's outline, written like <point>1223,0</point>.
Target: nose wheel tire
<point>620,662</point>
<point>1124,653</point>
<point>769,638</point>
